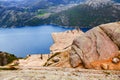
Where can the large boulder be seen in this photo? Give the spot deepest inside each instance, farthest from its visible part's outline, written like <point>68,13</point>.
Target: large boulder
<point>97,44</point>
<point>63,40</point>
<point>113,31</point>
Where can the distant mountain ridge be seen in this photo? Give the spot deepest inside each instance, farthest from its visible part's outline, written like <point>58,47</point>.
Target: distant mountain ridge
<point>16,13</point>
<point>88,14</point>
<point>98,3</point>
<point>59,12</point>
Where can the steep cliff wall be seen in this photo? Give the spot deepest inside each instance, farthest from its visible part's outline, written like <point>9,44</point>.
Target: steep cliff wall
<point>63,40</point>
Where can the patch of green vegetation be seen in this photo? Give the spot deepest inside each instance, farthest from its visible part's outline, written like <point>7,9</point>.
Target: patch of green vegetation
<point>7,58</point>
<point>11,57</point>
<point>41,15</point>
<point>41,12</point>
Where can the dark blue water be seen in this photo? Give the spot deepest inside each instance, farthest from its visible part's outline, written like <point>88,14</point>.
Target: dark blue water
<point>28,40</point>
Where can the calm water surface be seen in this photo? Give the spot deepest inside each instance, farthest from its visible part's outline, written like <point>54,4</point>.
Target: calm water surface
<point>28,40</point>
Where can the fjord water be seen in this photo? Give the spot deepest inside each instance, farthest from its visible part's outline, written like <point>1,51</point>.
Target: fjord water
<point>28,40</point>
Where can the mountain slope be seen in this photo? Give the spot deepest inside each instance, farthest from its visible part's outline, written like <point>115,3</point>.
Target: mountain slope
<point>86,15</point>
<point>89,13</point>
<point>16,13</point>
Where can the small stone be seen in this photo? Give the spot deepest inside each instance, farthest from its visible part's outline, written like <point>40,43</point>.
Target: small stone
<point>115,60</point>
<point>75,60</point>
<point>104,66</point>
<point>56,59</point>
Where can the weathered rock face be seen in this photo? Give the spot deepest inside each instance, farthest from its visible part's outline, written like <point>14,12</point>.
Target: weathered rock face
<point>60,59</point>
<point>99,43</point>
<point>63,40</point>
<point>6,58</point>
<point>113,31</point>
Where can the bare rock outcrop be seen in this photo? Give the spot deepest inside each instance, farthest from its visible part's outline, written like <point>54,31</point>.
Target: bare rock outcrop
<point>98,44</point>
<point>113,31</point>
<point>63,40</point>
<point>36,60</point>
<point>60,59</point>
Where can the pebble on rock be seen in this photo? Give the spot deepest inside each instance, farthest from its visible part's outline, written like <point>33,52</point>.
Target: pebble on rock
<point>115,60</point>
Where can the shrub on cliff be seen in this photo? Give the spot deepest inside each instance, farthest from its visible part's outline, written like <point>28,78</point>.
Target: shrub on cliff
<point>6,58</point>
<point>11,57</point>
